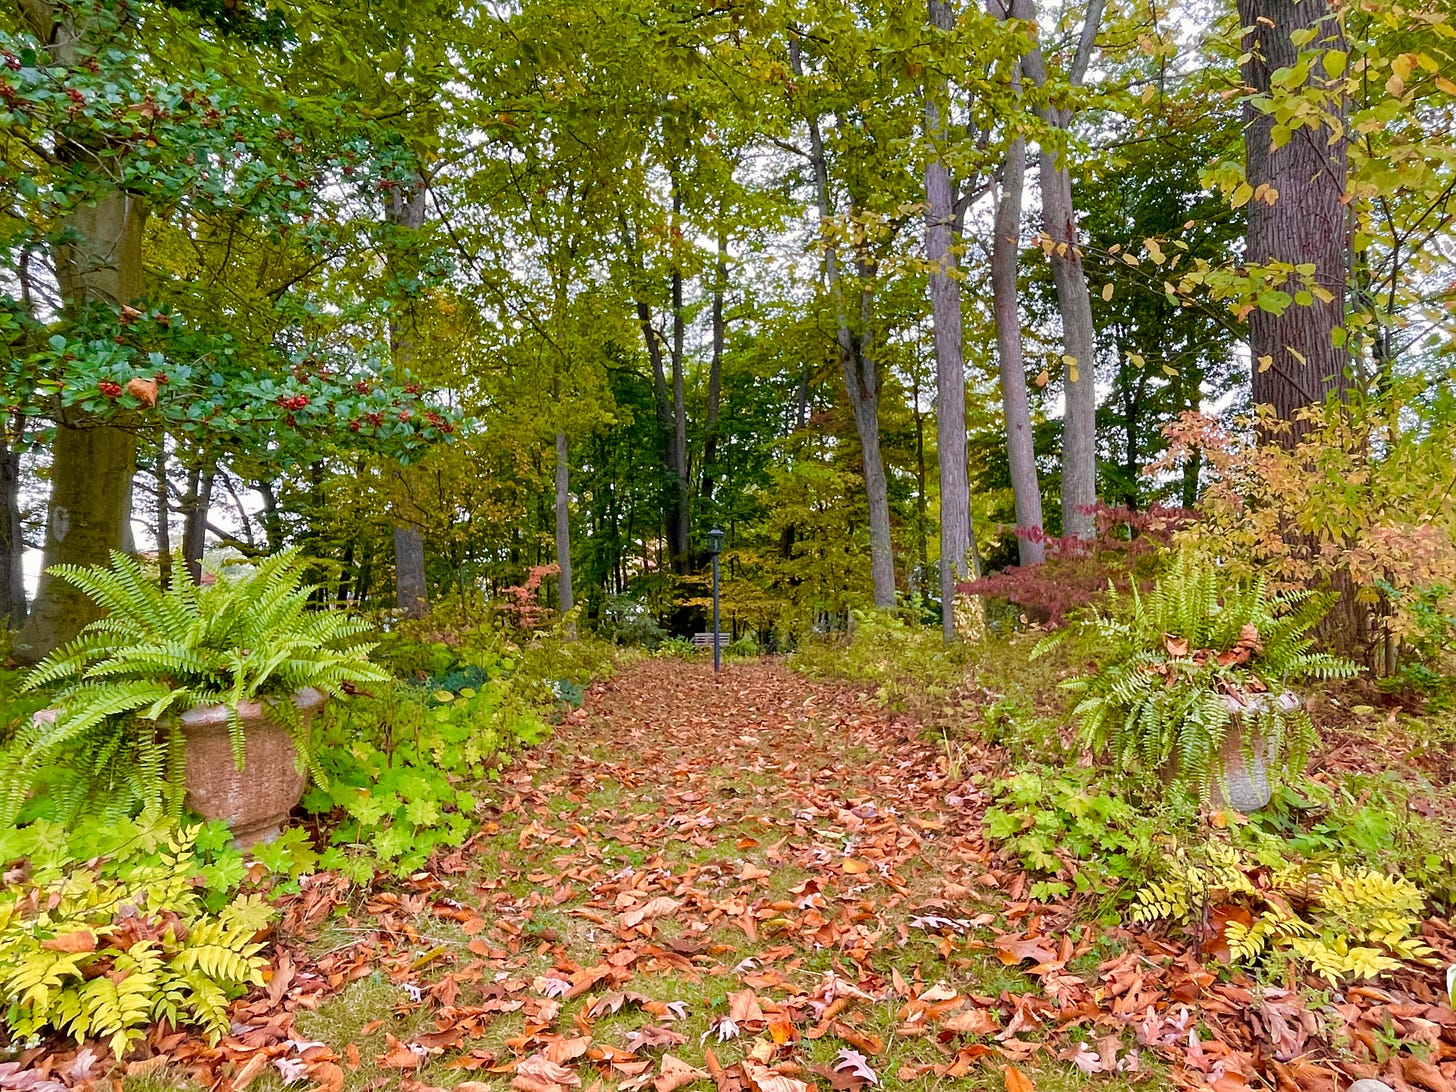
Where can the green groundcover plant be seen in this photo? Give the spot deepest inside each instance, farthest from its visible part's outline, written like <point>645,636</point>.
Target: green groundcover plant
<point>116,745</point>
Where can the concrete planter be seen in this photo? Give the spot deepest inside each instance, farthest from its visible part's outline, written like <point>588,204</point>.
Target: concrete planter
<point>1246,785</point>
<point>254,801</point>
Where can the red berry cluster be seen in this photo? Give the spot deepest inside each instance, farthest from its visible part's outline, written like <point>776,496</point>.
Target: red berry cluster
<point>297,402</point>
<point>108,388</point>
<point>362,386</point>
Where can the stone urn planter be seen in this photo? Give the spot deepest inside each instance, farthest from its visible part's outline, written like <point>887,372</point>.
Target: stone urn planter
<point>254,801</point>
<point>1245,786</point>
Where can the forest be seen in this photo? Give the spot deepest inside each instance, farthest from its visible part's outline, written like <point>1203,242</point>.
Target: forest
<point>757,545</point>
<point>897,298</point>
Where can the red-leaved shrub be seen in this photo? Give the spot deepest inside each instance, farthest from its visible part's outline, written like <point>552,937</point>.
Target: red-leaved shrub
<point>1078,571</point>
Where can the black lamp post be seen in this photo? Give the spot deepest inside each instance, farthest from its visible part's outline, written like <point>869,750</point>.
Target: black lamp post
<point>715,546</point>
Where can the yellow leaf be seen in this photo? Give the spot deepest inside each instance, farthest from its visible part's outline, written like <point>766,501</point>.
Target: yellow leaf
<point>1446,85</point>
<point>1242,192</point>
<point>1072,374</point>
<point>1107,291</point>
<point>1042,378</point>
<point>1335,63</point>
<point>1136,360</point>
<point>1395,87</point>
<point>1402,66</point>
<point>1169,370</point>
<point>1295,353</point>
<point>1069,360</point>
<point>1265,363</point>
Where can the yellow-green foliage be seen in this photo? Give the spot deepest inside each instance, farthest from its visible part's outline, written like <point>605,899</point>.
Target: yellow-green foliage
<point>1357,924</point>
<point>901,660</point>
<point>97,955</point>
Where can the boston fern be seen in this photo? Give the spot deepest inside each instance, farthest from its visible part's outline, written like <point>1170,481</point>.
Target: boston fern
<point>116,743</point>
<point>1184,659</point>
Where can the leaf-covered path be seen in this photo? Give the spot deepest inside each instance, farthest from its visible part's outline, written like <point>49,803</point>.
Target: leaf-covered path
<point>765,884</point>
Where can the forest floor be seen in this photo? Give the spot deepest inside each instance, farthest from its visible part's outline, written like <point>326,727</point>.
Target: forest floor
<point>767,883</point>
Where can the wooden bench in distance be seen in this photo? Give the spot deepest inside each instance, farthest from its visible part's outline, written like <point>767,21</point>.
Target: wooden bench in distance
<point>705,640</point>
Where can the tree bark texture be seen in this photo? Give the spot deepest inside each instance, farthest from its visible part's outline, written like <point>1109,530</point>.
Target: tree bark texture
<point>1074,302</point>
<point>563,522</point>
<point>1296,362</point>
<point>861,375</point>
<point>12,539</point>
<point>950,368</point>
<point>1015,403</point>
<point>194,530</point>
<point>406,210</point>
<point>99,265</point>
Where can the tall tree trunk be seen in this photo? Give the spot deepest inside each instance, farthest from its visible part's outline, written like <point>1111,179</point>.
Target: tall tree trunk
<point>857,361</point>
<point>1296,360</point>
<point>99,265</point>
<point>12,536</point>
<point>1059,221</point>
<point>563,522</point>
<point>679,397</point>
<point>406,211</point>
<point>672,516</point>
<point>715,366</point>
<point>1015,404</point>
<point>950,366</point>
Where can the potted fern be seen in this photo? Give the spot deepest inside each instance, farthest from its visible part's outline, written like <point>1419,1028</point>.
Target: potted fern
<point>190,695</point>
<point>1196,681</point>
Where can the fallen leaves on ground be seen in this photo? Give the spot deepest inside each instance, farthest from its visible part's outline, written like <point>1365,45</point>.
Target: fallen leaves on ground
<point>791,850</point>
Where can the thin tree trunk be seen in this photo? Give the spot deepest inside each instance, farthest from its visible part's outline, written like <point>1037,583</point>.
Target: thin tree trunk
<point>92,464</point>
<point>715,367</point>
<point>12,536</point>
<point>194,532</point>
<point>406,211</point>
<point>679,398</point>
<point>1296,362</point>
<point>861,377</point>
<point>950,367</point>
<point>1059,221</point>
<point>1015,404</point>
<point>164,515</point>
<point>563,522</point>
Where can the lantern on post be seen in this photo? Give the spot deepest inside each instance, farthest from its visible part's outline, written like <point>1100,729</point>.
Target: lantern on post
<point>715,547</point>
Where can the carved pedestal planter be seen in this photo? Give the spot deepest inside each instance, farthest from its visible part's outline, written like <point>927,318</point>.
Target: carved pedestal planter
<point>254,801</point>
<point>1246,761</point>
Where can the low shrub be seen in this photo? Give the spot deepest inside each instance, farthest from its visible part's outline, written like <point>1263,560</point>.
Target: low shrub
<point>1074,830</point>
<point>403,769</point>
<point>1126,551</point>
<point>903,662</point>
<point>1341,923</point>
<point>146,927</point>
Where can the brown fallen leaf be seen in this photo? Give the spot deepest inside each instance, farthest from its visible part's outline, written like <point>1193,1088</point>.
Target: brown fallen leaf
<point>970,1022</point>
<point>539,1073</point>
<point>654,1036</point>
<point>566,1050</point>
<point>398,1056</point>
<point>763,1079</point>
<point>71,943</point>
<point>651,910</point>
<point>676,1073</point>
<point>1019,949</point>
<point>1017,1081</point>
